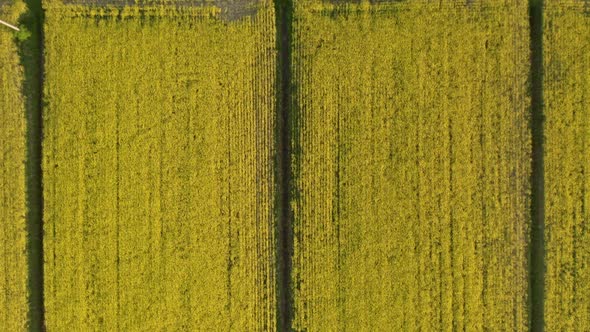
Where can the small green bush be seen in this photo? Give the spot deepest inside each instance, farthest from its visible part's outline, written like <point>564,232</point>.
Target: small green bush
<point>23,34</point>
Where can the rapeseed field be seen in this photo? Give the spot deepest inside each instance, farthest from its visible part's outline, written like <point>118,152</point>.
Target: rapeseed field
<point>567,164</point>
<point>411,166</point>
<point>13,209</point>
<point>305,165</point>
<point>158,169</point>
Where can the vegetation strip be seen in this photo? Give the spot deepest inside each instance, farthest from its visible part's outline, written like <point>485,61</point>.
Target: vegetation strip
<point>413,171</point>
<point>14,204</point>
<point>284,153</point>
<point>566,93</point>
<point>537,241</point>
<point>158,168</point>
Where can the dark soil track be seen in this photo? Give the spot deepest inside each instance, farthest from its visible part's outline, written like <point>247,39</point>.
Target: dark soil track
<point>283,159</point>
<point>537,244</point>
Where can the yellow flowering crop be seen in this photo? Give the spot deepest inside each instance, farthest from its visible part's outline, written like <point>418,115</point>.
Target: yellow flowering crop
<point>158,169</point>
<point>567,165</point>
<point>412,165</point>
<point>13,232</point>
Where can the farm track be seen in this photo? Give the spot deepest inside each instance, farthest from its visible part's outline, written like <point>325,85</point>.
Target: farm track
<point>284,143</point>
<point>537,241</point>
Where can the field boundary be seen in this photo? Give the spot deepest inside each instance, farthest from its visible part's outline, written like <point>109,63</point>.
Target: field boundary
<point>131,9</point>
<point>104,12</point>
<point>283,12</point>
<point>537,239</point>
<point>379,7</point>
